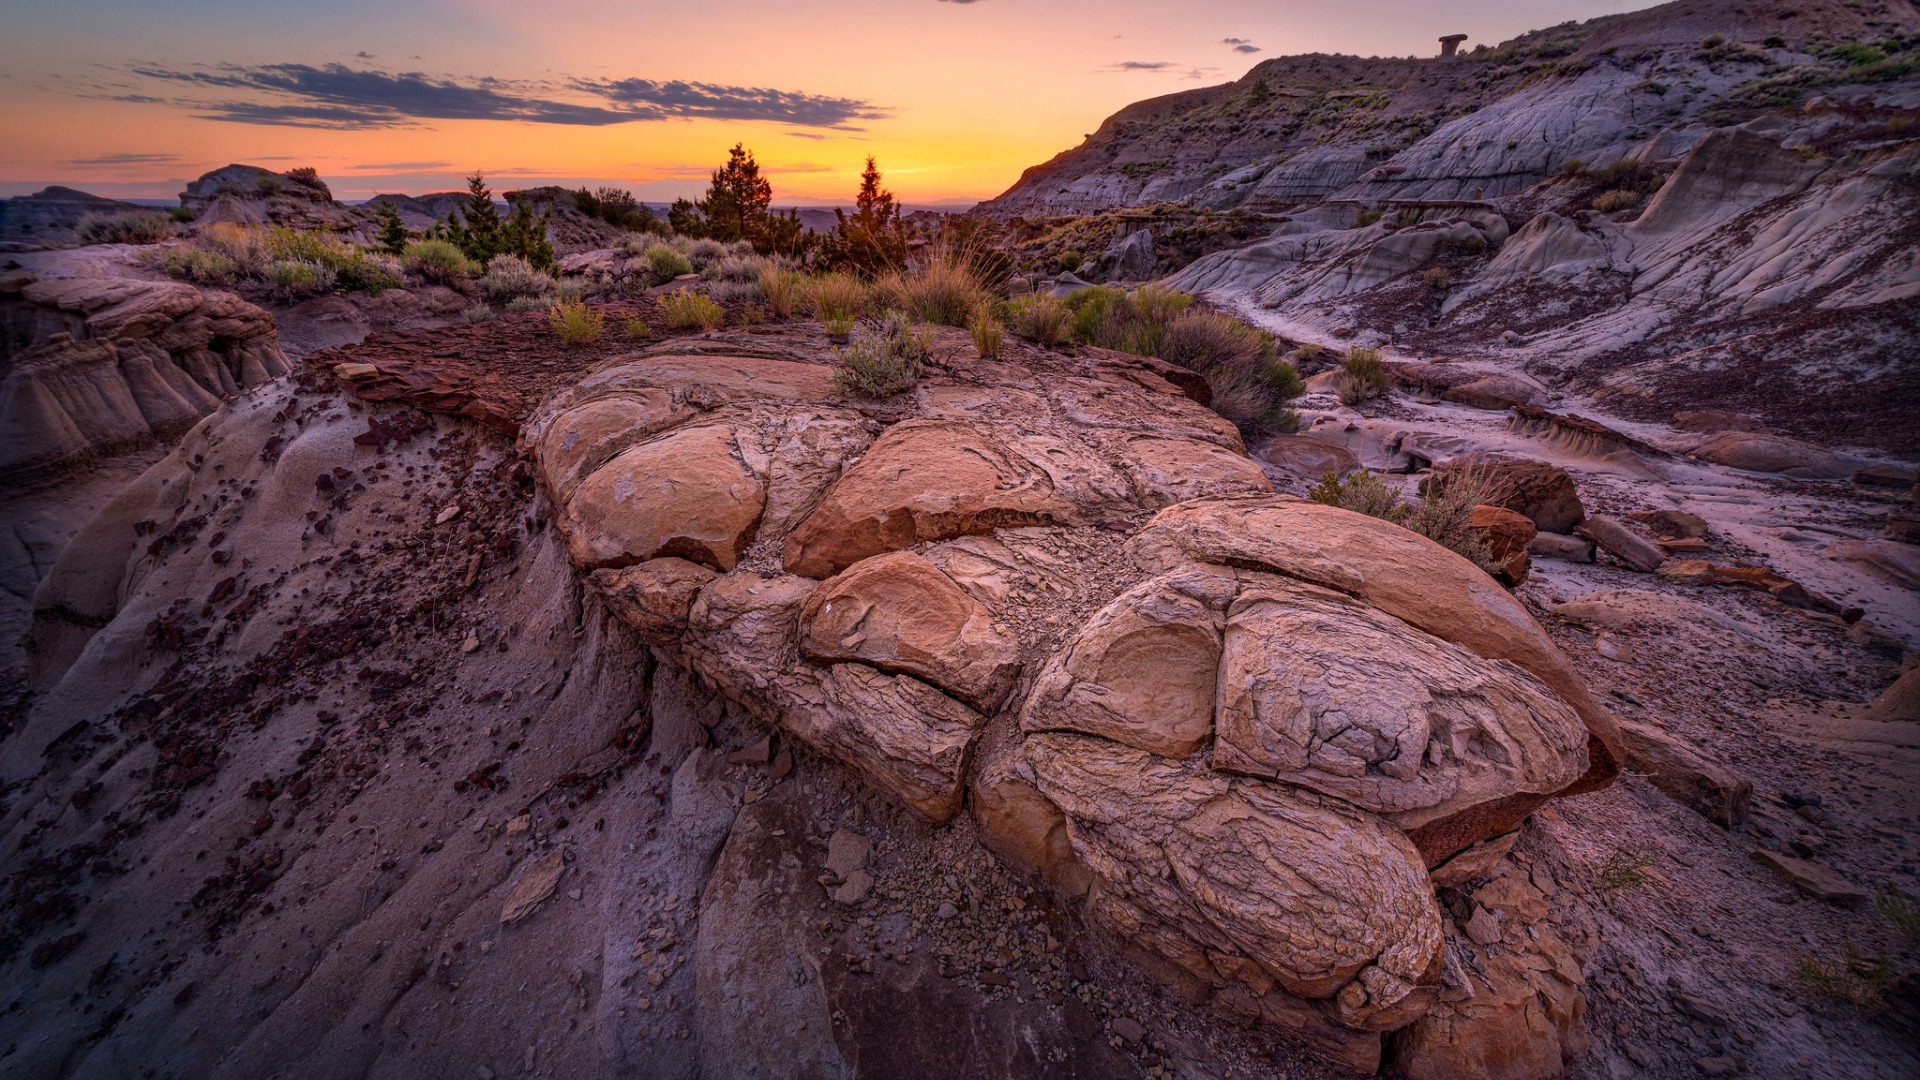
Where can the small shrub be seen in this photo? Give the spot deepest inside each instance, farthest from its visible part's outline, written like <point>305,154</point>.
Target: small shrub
<point>510,277</point>
<point>128,227</point>
<point>1853,978</point>
<point>837,297</point>
<point>476,313</point>
<point>635,328</point>
<point>575,324</point>
<point>1361,492</point>
<point>306,245</point>
<point>362,273</point>
<point>884,360</point>
<point>1573,167</point>
<point>779,287</point>
<point>837,327</point>
<point>520,305</point>
<point>1609,202</point>
<point>1626,866</point>
<point>986,330</point>
<point>666,263</point>
<point>1366,217</point>
<point>1445,514</point>
<point>1157,303</point>
<point>1361,377</point>
<point>739,268</point>
<point>704,253</point>
<point>179,215</point>
<point>438,261</point>
<point>570,291</point>
<point>1902,911</point>
<point>1437,278</point>
<point>298,277</point>
<point>1200,341</point>
<point>1040,319</point>
<point>1068,261</point>
<point>199,265</point>
<point>750,315</point>
<point>735,292</point>
<point>684,309</point>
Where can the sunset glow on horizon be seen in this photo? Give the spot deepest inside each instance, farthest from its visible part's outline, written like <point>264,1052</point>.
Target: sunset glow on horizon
<point>955,99</point>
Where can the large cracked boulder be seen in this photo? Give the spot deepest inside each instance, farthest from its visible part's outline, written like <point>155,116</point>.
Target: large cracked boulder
<point>1235,728</point>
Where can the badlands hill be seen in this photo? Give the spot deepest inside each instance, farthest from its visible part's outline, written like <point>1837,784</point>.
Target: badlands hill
<point>1484,123</point>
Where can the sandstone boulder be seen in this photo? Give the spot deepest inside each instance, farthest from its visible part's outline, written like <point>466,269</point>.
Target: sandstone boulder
<point>1756,452</point>
<point>1508,536</point>
<point>685,494</point>
<point>1306,458</point>
<point>899,613</point>
<point>652,597</point>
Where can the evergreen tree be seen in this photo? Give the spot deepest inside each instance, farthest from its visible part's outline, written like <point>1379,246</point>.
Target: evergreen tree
<point>736,204</point>
<point>873,239</point>
<point>684,218</point>
<point>475,227</point>
<point>393,233</point>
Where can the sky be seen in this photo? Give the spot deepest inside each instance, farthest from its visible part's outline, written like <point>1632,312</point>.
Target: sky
<point>133,98</point>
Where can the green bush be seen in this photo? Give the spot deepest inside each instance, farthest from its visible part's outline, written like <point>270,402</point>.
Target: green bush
<point>666,263</point>
<point>1366,217</point>
<point>299,277</point>
<point>1361,377</point>
<point>128,227</point>
<point>884,360</point>
<point>1442,517</point>
<point>438,261</point>
<point>574,324</point>
<point>1068,261</point>
<point>1610,202</point>
<point>684,309</point>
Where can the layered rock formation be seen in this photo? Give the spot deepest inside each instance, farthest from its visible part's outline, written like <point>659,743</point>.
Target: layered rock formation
<point>1235,729</point>
<point>1303,129</point>
<point>92,366</point>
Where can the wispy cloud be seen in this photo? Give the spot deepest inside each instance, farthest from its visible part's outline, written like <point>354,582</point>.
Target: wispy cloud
<point>335,96</point>
<point>126,159</point>
<point>1142,65</point>
<point>400,166</point>
<point>1240,45</point>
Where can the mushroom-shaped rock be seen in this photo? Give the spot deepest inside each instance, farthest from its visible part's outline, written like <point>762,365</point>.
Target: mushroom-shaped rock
<point>1187,862</point>
<point>899,613</point>
<point>926,480</point>
<point>1144,669</point>
<point>1319,690</point>
<point>685,494</point>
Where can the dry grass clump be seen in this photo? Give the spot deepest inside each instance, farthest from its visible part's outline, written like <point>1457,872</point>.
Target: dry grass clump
<point>574,324</point>
<point>781,288</point>
<point>836,298</point>
<point>1437,278</point>
<point>883,360</point>
<point>944,292</point>
<point>1609,202</point>
<point>1853,977</point>
<point>636,328</point>
<point>198,265</point>
<point>987,331</point>
<point>125,227</point>
<point>684,309</point>
<point>1252,384</point>
<point>1361,377</point>
<point>1042,320</point>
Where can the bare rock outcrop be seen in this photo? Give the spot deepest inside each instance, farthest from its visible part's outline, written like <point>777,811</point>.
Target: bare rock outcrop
<point>1235,729</point>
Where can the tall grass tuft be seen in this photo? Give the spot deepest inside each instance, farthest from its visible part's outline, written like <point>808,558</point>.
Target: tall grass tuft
<point>575,324</point>
<point>986,329</point>
<point>684,309</point>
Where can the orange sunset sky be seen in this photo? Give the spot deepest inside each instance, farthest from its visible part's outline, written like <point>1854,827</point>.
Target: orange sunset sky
<point>132,99</point>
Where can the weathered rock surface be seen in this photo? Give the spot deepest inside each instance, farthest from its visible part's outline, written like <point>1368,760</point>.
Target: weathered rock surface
<point>1708,787</point>
<point>1508,536</point>
<point>1249,728</point>
<point>1758,452</point>
<point>100,365</point>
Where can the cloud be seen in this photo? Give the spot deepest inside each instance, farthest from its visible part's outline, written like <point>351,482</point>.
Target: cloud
<point>815,135</point>
<point>126,159</point>
<point>1142,65</point>
<point>400,166</point>
<point>363,55</point>
<point>334,96</point>
<point>1240,45</point>
<point>709,101</point>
